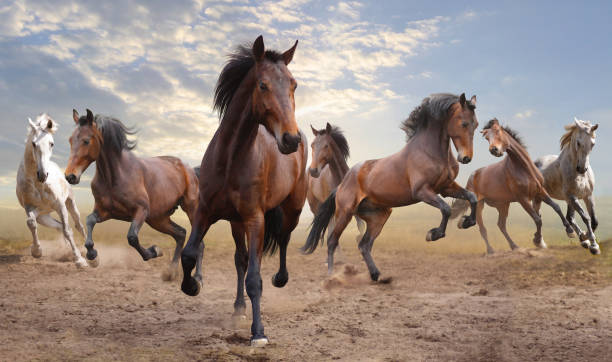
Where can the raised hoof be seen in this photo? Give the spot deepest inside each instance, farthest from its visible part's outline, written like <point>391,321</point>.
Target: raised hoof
<point>594,249</point>
<point>570,233</point>
<point>36,251</point>
<point>434,234</point>
<point>91,254</point>
<point>259,342</point>
<point>279,280</point>
<point>191,286</point>
<point>466,222</point>
<point>585,243</point>
<point>93,263</point>
<point>156,251</point>
<point>81,263</point>
<point>584,236</point>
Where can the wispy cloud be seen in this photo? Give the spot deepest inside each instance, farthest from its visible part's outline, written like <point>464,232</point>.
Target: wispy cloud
<point>524,114</point>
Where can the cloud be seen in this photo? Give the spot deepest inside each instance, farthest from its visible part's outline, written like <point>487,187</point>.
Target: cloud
<point>524,114</point>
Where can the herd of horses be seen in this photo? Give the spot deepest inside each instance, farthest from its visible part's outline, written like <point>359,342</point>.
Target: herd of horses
<point>253,174</point>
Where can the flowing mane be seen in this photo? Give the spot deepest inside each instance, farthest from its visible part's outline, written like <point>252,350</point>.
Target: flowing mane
<point>235,70</point>
<point>114,133</point>
<point>567,137</point>
<point>338,136</point>
<point>512,133</point>
<point>432,108</point>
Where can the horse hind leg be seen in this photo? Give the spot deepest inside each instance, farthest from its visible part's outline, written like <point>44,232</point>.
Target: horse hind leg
<point>481,226</point>
<point>76,216</point>
<point>589,236</point>
<point>241,261</point>
<point>69,237</point>
<point>375,221</point>
<point>35,249</point>
<point>501,224</point>
<point>341,220</point>
<point>167,226</point>
<point>537,236</point>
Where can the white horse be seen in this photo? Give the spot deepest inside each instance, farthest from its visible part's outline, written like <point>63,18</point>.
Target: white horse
<point>42,188</point>
<point>569,177</point>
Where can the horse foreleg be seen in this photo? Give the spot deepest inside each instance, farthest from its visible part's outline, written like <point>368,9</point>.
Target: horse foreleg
<point>458,192</point>
<point>375,220</point>
<point>69,237</point>
<point>593,247</point>
<point>537,237</point>
<point>501,224</point>
<point>132,236</point>
<point>91,221</point>
<point>241,260</point>
<point>36,249</point>
<point>76,216</point>
<point>167,226</point>
<point>548,201</point>
<point>569,216</point>
<point>590,204</point>
<point>193,253</point>
<point>481,225</point>
<point>428,196</point>
<point>255,237</point>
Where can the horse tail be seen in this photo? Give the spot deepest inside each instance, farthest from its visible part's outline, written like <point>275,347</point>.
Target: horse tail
<point>272,230</point>
<point>319,224</point>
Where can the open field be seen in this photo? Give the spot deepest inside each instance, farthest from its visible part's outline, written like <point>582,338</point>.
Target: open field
<point>446,301</point>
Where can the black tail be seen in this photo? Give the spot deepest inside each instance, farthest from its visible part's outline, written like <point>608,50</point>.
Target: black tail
<point>273,229</point>
<point>319,224</point>
<point>197,171</point>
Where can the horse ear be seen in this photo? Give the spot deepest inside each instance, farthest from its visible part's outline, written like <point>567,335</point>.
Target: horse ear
<point>75,116</point>
<point>90,117</point>
<point>258,49</point>
<point>32,125</point>
<point>577,121</point>
<point>328,128</point>
<point>594,127</point>
<point>462,99</point>
<point>473,100</point>
<point>288,55</point>
<point>49,124</point>
<point>314,131</point>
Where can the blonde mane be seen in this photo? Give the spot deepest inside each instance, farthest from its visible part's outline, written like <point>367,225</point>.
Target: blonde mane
<point>567,137</point>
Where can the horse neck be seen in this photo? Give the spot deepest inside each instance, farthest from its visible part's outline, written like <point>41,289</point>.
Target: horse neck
<point>338,166</point>
<point>435,138</point>
<point>108,165</point>
<point>517,154</point>
<point>29,161</point>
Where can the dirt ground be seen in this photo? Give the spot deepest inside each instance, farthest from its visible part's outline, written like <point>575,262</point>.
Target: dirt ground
<point>444,303</point>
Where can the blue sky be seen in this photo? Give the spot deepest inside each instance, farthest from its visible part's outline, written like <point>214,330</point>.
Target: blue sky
<point>360,65</point>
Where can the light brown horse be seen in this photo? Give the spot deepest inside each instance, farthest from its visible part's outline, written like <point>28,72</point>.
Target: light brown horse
<point>129,188</point>
<point>330,150</point>
<point>253,173</point>
<point>421,170</point>
<point>514,179</point>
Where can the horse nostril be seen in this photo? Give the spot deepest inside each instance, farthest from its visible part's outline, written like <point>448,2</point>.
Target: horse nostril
<point>494,149</point>
<point>290,142</point>
<point>71,178</point>
<point>466,159</point>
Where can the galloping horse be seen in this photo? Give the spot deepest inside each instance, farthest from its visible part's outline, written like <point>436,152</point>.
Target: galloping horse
<point>42,189</point>
<point>327,168</point>
<point>514,179</point>
<point>129,188</point>
<point>569,177</point>
<point>421,170</point>
<point>253,173</point>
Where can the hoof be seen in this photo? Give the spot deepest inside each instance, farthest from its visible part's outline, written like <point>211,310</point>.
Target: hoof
<point>171,273</point>
<point>384,280</point>
<point>434,234</point>
<point>91,254</point>
<point>280,280</point>
<point>570,233</point>
<point>490,251</point>
<point>81,263</point>
<point>259,341</point>
<point>156,252</point>
<point>539,242</point>
<point>93,263</point>
<point>585,243</point>
<point>36,251</point>
<point>594,249</point>
<point>584,236</point>
<point>191,286</point>
<point>466,222</point>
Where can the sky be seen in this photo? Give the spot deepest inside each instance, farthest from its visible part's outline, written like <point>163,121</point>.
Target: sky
<point>363,66</point>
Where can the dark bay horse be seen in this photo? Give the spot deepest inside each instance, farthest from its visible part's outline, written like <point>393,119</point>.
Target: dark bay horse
<point>330,150</point>
<point>513,179</point>
<point>421,170</point>
<point>129,188</point>
<point>253,173</point>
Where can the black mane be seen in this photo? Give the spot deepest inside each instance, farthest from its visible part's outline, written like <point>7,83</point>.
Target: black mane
<point>338,136</point>
<point>432,108</point>
<point>114,133</point>
<point>508,130</point>
<point>235,70</point>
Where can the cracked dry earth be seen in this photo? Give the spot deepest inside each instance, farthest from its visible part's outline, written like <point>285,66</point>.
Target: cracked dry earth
<point>526,305</point>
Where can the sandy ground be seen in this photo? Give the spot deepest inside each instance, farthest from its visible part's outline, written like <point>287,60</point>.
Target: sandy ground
<point>553,304</point>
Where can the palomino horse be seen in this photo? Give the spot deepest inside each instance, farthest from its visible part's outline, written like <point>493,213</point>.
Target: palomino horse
<point>569,177</point>
<point>42,189</point>
<point>129,188</point>
<point>514,179</point>
<point>327,169</point>
<point>424,168</point>
<point>253,173</point>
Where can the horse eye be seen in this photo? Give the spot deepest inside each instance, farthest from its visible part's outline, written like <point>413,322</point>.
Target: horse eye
<point>464,124</point>
<point>263,86</point>
<point>86,142</point>
<point>578,144</point>
<point>52,144</point>
<point>33,144</point>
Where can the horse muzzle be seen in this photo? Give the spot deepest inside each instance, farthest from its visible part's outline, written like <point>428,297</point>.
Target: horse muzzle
<point>72,179</point>
<point>314,172</point>
<point>496,152</point>
<point>289,143</point>
<point>463,159</point>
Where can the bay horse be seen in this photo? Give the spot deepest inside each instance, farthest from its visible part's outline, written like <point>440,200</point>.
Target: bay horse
<point>513,179</point>
<point>129,188</point>
<point>570,177</point>
<point>330,150</point>
<point>42,189</point>
<point>422,169</point>
<point>253,173</point>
